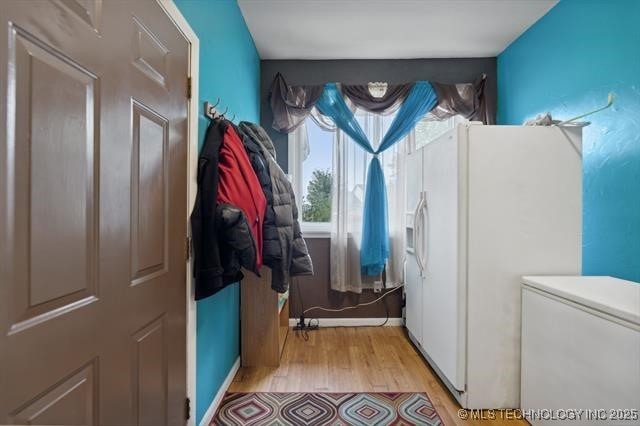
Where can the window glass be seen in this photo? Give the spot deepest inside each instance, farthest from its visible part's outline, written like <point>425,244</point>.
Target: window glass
<point>427,131</point>
<point>316,171</point>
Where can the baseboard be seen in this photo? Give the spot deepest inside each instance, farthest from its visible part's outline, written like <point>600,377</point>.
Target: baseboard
<point>211,411</point>
<point>352,322</point>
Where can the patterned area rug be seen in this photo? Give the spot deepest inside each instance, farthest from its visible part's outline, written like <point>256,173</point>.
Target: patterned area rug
<point>335,409</point>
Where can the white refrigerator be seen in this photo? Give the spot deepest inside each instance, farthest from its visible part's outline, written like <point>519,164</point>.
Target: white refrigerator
<point>486,205</point>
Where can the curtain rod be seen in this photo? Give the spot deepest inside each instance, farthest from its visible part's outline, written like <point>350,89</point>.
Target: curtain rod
<point>483,76</point>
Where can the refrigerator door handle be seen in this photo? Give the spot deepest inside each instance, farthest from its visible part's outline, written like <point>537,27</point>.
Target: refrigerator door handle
<point>417,234</point>
<point>423,232</point>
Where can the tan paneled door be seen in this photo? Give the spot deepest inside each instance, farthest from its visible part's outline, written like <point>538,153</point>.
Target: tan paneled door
<point>93,143</point>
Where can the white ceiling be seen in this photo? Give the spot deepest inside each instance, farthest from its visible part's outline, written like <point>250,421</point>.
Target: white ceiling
<point>387,29</point>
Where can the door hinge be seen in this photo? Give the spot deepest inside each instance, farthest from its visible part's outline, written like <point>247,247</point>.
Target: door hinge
<point>187,409</point>
<point>187,249</point>
<point>188,87</point>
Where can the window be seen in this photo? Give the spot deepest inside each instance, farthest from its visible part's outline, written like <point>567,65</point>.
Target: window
<point>311,165</point>
<point>428,130</point>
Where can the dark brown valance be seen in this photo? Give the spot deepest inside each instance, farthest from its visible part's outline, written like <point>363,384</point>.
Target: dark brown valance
<point>292,104</point>
<point>467,99</point>
<point>361,97</point>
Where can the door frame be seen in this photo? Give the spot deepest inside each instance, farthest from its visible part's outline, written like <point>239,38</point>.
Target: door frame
<point>183,26</point>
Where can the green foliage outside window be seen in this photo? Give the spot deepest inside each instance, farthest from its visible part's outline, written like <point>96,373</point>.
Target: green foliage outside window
<point>316,206</point>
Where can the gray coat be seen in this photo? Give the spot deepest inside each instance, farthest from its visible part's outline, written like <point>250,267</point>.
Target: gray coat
<point>271,250</point>
<point>295,256</point>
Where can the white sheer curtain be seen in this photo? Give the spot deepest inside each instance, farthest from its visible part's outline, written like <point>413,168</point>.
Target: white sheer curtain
<point>349,176</point>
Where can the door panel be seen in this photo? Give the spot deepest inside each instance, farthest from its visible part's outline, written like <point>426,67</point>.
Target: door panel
<point>92,213</point>
<point>150,55</point>
<point>53,196</point>
<point>88,11</point>
<point>150,373</point>
<point>149,196</point>
<point>69,402</point>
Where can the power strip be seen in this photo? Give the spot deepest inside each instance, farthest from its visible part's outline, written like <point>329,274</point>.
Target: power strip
<point>303,326</point>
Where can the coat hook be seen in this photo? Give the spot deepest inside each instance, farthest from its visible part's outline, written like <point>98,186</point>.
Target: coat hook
<point>210,109</point>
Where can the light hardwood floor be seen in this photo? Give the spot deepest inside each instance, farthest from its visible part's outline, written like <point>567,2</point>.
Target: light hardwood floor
<point>365,359</point>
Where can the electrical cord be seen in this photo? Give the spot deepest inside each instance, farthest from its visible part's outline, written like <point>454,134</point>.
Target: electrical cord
<point>295,281</point>
<point>312,326</point>
<point>386,320</point>
<point>302,332</point>
<point>346,308</point>
<point>386,308</point>
<point>301,329</point>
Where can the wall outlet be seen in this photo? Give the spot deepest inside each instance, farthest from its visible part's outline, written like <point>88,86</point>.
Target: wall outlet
<point>377,286</point>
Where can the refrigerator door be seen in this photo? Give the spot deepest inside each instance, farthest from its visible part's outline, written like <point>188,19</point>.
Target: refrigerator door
<point>413,182</point>
<point>524,217</point>
<point>413,294</point>
<point>413,275</point>
<point>443,316</point>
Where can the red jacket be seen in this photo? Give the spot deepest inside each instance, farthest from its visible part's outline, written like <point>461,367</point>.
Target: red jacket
<point>238,185</point>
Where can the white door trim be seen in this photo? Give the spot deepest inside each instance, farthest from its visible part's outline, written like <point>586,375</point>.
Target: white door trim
<point>192,157</point>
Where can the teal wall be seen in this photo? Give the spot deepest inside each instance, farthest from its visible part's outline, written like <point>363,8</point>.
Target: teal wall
<point>230,70</point>
<point>567,63</point>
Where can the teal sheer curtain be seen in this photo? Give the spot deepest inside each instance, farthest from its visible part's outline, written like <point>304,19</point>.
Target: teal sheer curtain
<point>421,99</point>
<point>332,105</point>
